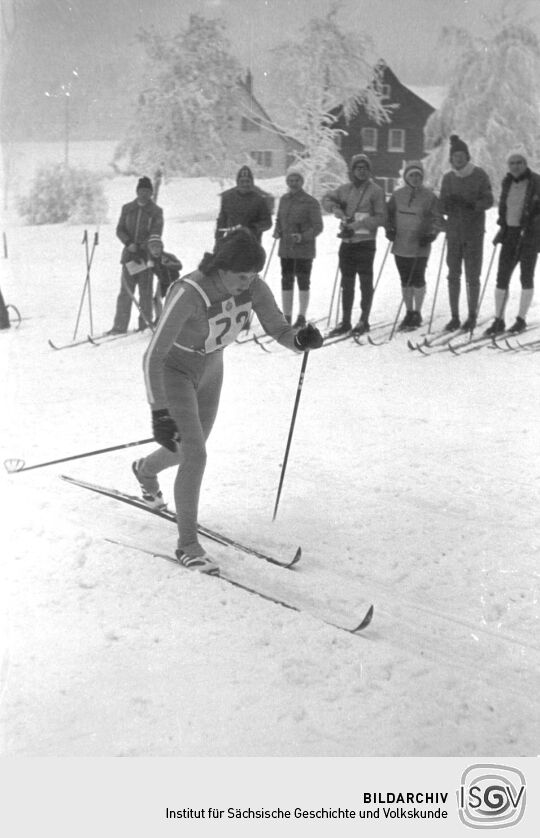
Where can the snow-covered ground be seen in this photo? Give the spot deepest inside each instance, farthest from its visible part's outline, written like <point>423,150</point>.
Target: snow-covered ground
<point>412,483</point>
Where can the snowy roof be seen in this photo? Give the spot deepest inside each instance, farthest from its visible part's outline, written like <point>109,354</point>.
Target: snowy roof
<point>434,96</point>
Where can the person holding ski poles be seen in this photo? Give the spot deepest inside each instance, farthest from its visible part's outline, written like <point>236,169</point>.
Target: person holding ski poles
<point>183,371</point>
<point>360,207</point>
<point>519,236</point>
<point>465,196</point>
<point>245,205</point>
<point>138,220</point>
<point>413,222</point>
<point>298,224</point>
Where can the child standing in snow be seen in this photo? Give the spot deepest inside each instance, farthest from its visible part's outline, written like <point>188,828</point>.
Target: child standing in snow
<point>165,266</point>
<point>413,221</point>
<point>183,370</point>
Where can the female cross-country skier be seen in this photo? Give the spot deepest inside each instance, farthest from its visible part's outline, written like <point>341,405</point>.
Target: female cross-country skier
<point>183,370</point>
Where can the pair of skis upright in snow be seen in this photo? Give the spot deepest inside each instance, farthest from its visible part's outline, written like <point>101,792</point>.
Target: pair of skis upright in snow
<point>225,541</point>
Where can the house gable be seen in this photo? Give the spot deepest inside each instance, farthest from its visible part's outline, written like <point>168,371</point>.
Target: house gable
<point>256,140</point>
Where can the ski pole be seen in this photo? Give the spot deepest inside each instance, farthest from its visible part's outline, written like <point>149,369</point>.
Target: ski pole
<point>408,285</point>
<point>248,322</point>
<point>291,429</point>
<point>488,272</point>
<point>14,465</point>
<point>435,293</point>
<point>87,279</point>
<point>334,287</point>
<point>136,302</point>
<point>387,251</point>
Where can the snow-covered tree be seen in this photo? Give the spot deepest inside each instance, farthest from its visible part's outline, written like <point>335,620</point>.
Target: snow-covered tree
<point>182,117</point>
<point>493,99</point>
<point>321,70</point>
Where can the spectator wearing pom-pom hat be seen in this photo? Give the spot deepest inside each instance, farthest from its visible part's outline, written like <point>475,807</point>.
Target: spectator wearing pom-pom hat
<point>139,219</point>
<point>298,224</point>
<point>465,196</point>
<point>413,221</point>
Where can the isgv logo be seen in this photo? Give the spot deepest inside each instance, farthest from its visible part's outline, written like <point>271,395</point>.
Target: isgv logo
<point>491,796</point>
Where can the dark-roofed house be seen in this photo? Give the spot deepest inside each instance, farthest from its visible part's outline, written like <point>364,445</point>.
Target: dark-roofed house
<point>388,144</point>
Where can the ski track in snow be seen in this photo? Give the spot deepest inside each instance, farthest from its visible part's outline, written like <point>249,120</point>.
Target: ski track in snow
<point>412,483</point>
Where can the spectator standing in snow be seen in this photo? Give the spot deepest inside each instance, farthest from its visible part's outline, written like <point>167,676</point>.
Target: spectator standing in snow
<point>165,266</point>
<point>183,369</point>
<point>138,220</point>
<point>465,196</point>
<point>519,236</point>
<point>360,207</point>
<point>413,221</point>
<point>245,205</point>
<point>298,224</point>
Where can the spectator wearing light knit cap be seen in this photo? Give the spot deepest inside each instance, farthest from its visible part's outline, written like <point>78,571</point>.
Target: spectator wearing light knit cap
<point>360,207</point>
<point>413,221</point>
<point>519,236</point>
<point>465,196</point>
<point>298,224</point>
<point>245,205</point>
<point>138,220</point>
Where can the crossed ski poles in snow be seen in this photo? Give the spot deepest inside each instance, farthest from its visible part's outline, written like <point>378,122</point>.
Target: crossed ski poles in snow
<point>86,286</point>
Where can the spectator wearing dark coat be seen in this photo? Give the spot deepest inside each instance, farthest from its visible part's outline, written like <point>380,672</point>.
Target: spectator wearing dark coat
<point>465,196</point>
<point>245,205</point>
<point>138,220</point>
<point>519,236</point>
<point>298,224</point>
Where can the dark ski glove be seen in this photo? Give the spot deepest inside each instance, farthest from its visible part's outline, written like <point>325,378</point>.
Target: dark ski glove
<point>499,238</point>
<point>308,337</point>
<point>429,238</point>
<point>164,429</point>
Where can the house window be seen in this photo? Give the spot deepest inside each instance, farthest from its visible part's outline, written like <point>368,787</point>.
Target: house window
<point>369,139</point>
<point>262,158</point>
<point>396,139</point>
<point>249,125</point>
<point>386,91</point>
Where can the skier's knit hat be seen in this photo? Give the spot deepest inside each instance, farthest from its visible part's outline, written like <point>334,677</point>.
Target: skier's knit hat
<point>154,239</point>
<point>411,168</point>
<point>515,155</point>
<point>244,171</point>
<point>239,252</point>
<point>294,170</point>
<point>145,183</point>
<point>457,144</point>
<point>360,158</point>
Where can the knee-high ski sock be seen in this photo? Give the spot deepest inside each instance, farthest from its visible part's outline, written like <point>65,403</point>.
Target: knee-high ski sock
<point>303,302</point>
<point>287,302</point>
<point>418,298</point>
<point>501,295</point>
<point>525,302</point>
<point>407,292</point>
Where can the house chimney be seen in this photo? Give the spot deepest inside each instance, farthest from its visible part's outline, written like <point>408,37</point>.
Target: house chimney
<point>249,82</point>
